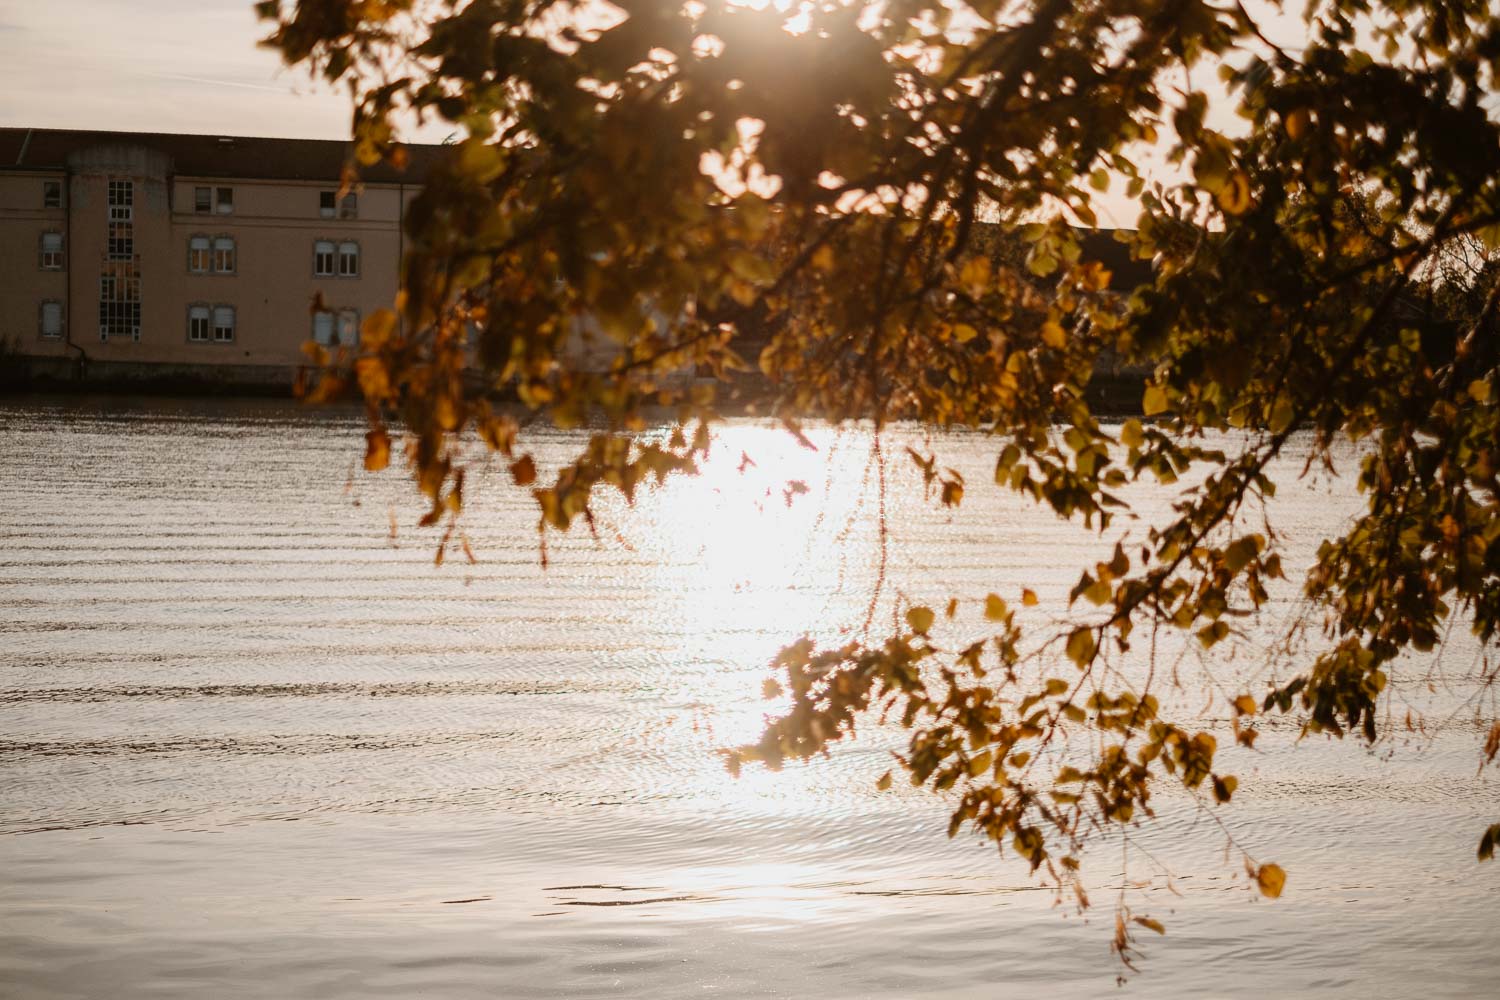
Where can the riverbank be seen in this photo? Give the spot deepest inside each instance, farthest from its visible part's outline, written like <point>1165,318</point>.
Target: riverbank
<point>1110,394</point>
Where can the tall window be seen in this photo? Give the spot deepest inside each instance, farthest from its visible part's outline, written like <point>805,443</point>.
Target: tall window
<point>51,319</point>
<point>323,327</point>
<point>224,254</point>
<point>328,204</point>
<point>121,201</point>
<point>323,258</point>
<point>223,324</point>
<point>52,252</point>
<point>200,257</point>
<point>349,206</point>
<point>203,200</point>
<point>225,201</point>
<point>121,240</point>
<point>348,259</point>
<point>119,302</point>
<point>198,324</point>
<point>348,327</point>
<point>52,194</point>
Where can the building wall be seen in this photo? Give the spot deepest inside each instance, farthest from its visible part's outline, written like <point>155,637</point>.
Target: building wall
<point>273,287</point>
<point>23,284</point>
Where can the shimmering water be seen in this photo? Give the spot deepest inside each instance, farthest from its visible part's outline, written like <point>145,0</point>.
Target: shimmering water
<point>252,743</point>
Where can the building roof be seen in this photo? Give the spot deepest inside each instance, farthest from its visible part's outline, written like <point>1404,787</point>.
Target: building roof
<point>245,157</point>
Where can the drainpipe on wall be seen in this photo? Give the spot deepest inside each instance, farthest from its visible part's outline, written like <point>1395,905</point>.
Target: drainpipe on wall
<point>80,363</point>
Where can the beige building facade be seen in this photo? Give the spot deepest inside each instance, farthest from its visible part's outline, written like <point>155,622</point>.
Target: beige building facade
<point>132,256</point>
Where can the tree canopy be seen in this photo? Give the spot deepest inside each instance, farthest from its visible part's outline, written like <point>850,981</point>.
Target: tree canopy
<point>644,188</point>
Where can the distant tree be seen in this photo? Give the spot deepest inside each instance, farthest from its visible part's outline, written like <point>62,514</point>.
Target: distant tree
<point>673,181</point>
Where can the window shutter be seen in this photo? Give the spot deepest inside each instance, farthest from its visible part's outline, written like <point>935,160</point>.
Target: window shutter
<point>323,327</point>
<point>51,319</point>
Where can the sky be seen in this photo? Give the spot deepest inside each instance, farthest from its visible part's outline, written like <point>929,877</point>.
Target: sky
<point>154,66</point>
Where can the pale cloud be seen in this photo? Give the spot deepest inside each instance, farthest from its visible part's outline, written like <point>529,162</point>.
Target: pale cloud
<point>154,66</point>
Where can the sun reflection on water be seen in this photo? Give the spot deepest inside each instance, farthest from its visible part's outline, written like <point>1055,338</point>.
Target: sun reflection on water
<point>773,540</point>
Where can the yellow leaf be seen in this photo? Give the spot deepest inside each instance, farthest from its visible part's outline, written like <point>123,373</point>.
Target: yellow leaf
<point>1234,196</point>
<point>1132,435</point>
<point>1154,401</point>
<point>1271,880</point>
<point>1081,646</point>
<point>920,620</point>
<point>884,782</point>
<point>1028,597</point>
<point>963,333</point>
<point>952,607</point>
<point>377,450</point>
<point>377,327</point>
<point>1244,705</point>
<point>980,764</point>
<point>976,274</point>
<point>1296,123</point>
<point>994,608</point>
<point>523,471</point>
<point>1054,336</point>
<point>1282,414</point>
<point>1149,924</point>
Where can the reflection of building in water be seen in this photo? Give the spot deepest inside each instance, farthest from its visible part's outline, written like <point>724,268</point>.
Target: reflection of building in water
<point>152,255</point>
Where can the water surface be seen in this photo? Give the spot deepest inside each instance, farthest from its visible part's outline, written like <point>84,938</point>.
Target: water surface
<point>255,743</point>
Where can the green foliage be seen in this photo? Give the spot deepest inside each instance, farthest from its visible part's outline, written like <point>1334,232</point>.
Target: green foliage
<point>688,187</point>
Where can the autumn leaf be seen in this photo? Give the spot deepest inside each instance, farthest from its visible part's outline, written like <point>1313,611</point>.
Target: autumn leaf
<point>523,471</point>
<point>1081,646</point>
<point>920,619</point>
<point>1271,880</point>
<point>377,450</point>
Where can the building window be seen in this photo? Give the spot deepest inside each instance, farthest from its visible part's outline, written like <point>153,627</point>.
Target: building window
<point>119,302</point>
<point>323,327</point>
<point>203,200</point>
<point>223,324</point>
<point>323,262</point>
<point>330,205</point>
<point>52,252</point>
<point>199,254</point>
<point>52,194</point>
<point>51,319</point>
<point>198,324</point>
<point>121,241</point>
<point>120,244</point>
<point>226,201</point>
<point>348,328</point>
<point>223,255</point>
<point>348,259</point>
<point>121,201</point>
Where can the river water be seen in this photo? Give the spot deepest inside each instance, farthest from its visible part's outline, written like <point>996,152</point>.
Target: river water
<point>255,743</point>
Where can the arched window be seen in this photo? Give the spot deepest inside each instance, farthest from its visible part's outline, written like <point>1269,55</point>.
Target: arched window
<point>323,258</point>
<point>52,319</point>
<point>52,252</point>
<point>223,324</point>
<point>199,255</point>
<point>198,324</point>
<point>348,327</point>
<point>323,327</point>
<point>224,255</point>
